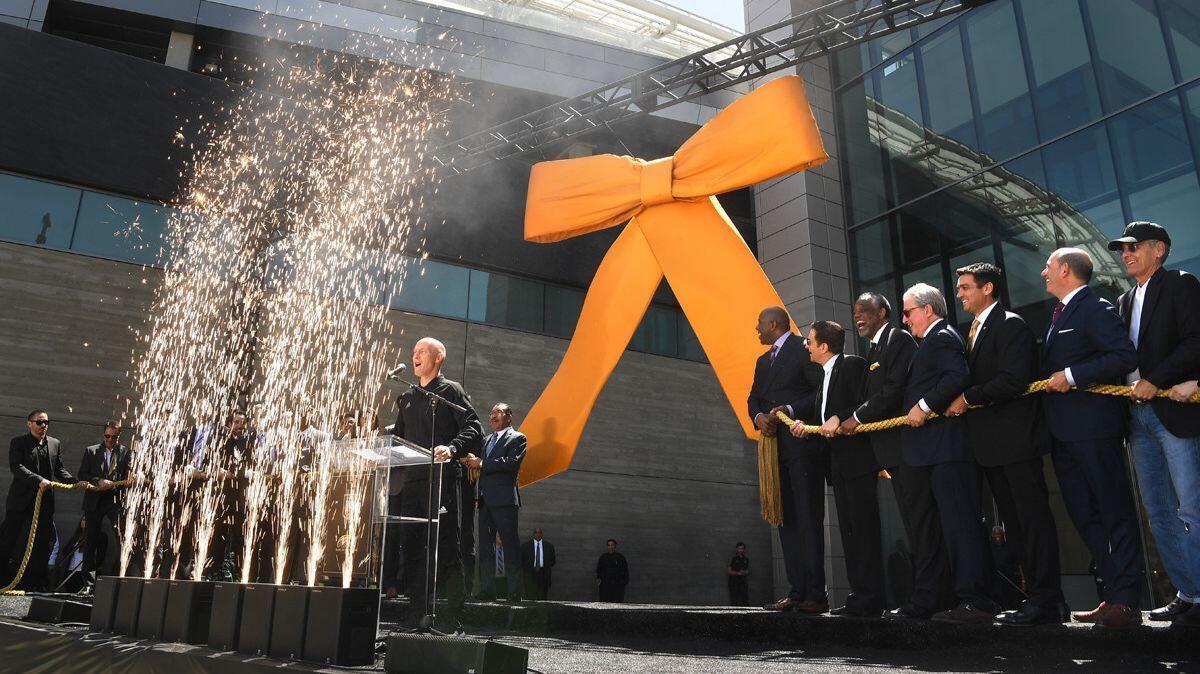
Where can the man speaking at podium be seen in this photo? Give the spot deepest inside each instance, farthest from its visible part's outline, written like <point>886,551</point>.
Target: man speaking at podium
<point>456,435</point>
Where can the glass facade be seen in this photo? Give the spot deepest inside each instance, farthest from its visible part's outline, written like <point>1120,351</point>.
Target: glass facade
<point>62,217</point>
<point>1015,128</point>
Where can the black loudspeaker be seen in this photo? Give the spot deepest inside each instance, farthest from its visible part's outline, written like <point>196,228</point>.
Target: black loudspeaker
<point>189,610</point>
<point>225,623</point>
<point>104,604</point>
<point>289,621</point>
<point>51,610</point>
<point>129,604</point>
<point>428,654</point>
<point>258,608</point>
<point>153,609</point>
<point>341,625</point>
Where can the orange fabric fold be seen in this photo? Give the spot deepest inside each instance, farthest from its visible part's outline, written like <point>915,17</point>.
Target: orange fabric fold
<point>676,229</point>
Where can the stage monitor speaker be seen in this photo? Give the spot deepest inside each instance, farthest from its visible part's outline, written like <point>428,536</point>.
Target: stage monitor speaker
<point>129,604</point>
<point>153,608</point>
<point>289,621</point>
<point>104,604</point>
<point>189,611</point>
<point>258,608</point>
<point>429,654</point>
<point>51,610</point>
<point>226,621</point>
<point>341,625</point>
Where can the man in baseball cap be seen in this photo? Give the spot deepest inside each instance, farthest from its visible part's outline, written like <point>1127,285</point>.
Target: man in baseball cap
<point>1137,232</point>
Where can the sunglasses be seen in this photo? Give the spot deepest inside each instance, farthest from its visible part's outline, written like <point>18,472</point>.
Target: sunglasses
<point>909,310</point>
<point>41,422</point>
<point>111,436</point>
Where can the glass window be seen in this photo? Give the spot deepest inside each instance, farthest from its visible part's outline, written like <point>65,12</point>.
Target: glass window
<point>863,159</point>
<point>505,300</point>
<point>1065,92</point>
<point>1024,258</point>
<point>873,251</point>
<point>1006,112</point>
<point>1079,169</point>
<point>32,211</point>
<point>849,63</point>
<point>1132,54</point>
<point>1182,18</point>
<point>432,287</point>
<point>121,229</point>
<point>563,306</point>
<point>689,344</point>
<point>658,332</point>
<point>900,123</point>
<point>946,87</point>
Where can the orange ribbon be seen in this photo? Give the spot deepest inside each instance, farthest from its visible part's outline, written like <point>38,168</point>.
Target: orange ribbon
<point>676,229</point>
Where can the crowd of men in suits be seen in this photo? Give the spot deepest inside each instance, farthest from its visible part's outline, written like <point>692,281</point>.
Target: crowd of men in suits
<point>988,430</point>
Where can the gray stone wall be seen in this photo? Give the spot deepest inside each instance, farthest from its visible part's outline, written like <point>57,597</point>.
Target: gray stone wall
<point>662,466</point>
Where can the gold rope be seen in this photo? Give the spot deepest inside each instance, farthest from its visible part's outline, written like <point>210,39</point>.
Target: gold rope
<point>769,498</point>
<point>37,508</point>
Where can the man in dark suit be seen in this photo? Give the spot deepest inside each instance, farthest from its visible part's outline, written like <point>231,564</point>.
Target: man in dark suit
<point>1087,344</point>
<point>941,450</point>
<point>1009,437</point>
<point>102,465</point>
<point>35,460</point>
<point>612,574</point>
<point>783,376</point>
<point>499,502</point>
<point>1162,317</point>
<point>888,359</point>
<point>853,468</point>
<point>538,560</point>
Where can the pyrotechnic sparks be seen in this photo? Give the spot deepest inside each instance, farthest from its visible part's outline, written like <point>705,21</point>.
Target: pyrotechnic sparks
<point>279,275</point>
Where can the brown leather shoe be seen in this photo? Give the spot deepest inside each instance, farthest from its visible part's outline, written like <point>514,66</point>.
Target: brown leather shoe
<point>1119,617</point>
<point>813,607</point>
<point>1088,616</point>
<point>785,604</point>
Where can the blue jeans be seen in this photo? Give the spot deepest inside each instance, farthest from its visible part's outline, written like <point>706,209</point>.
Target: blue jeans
<point>1168,472</point>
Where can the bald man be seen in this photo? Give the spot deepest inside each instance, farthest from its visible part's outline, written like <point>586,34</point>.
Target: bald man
<point>455,435</point>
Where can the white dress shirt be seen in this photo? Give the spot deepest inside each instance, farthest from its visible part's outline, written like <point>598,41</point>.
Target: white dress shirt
<point>537,554</point>
<point>1135,326</point>
<point>1066,301</point>
<point>982,318</point>
<point>828,367</point>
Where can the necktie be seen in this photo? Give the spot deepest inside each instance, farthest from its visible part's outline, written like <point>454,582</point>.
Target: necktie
<point>971,335</point>
<point>871,352</point>
<point>107,462</point>
<point>537,554</point>
<point>499,561</point>
<point>1058,309</point>
<point>491,445</point>
<point>774,352</point>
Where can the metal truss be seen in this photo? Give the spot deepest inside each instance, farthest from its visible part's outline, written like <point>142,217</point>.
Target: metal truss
<point>815,33</point>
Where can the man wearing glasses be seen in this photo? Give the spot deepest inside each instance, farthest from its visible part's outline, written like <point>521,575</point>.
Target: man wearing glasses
<point>35,460</point>
<point>103,465</point>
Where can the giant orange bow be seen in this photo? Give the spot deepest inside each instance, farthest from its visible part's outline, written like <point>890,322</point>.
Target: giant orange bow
<point>677,229</point>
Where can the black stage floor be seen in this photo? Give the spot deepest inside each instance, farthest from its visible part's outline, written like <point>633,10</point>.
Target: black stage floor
<point>589,637</point>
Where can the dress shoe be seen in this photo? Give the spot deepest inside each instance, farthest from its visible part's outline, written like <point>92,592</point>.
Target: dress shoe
<point>1168,613</point>
<point>965,614</point>
<point>909,612</point>
<point>785,604</point>
<point>1119,617</point>
<point>1031,614</point>
<point>1089,616</point>
<point>849,611</point>
<point>1189,619</point>
<point>813,607</point>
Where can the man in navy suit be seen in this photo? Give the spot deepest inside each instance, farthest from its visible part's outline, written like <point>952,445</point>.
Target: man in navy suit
<point>942,450</point>
<point>1088,344</point>
<point>784,376</point>
<point>499,501</point>
<point>1162,317</point>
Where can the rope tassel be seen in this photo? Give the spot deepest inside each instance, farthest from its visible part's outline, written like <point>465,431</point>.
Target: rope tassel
<point>769,497</point>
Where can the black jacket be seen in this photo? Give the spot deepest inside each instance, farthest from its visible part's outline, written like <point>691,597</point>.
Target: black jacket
<point>937,375</point>
<point>91,469</point>
<point>1003,363</point>
<point>30,461</point>
<point>548,558</point>
<point>498,474</point>
<point>887,373</point>
<point>1168,348</point>
<point>1090,339</point>
<point>787,381</point>
<point>460,431</point>
<point>849,456</point>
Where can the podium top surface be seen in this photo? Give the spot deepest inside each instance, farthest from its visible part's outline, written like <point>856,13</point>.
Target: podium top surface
<point>384,451</point>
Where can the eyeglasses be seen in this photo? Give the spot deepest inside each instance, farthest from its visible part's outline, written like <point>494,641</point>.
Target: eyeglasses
<point>111,436</point>
<point>1131,247</point>
<point>41,422</point>
<point>909,310</point>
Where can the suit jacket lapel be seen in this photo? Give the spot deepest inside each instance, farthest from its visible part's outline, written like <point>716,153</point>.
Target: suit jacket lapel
<point>984,330</point>
<point>1153,290</point>
<point>1066,314</point>
<point>773,368</point>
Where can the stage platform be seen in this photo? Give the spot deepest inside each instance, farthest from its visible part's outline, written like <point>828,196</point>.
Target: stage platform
<point>569,637</point>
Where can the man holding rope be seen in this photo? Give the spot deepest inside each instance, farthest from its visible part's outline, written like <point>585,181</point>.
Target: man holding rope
<point>35,460</point>
<point>1087,344</point>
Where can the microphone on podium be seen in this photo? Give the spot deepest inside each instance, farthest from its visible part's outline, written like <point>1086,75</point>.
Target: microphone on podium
<point>394,373</point>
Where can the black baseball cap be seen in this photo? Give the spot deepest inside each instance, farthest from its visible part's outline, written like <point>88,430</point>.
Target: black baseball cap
<point>1136,232</point>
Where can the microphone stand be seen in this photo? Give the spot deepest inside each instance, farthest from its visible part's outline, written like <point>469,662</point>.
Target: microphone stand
<point>432,508</point>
